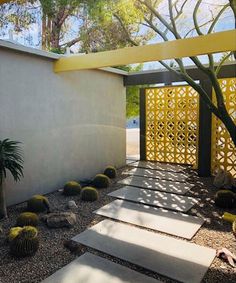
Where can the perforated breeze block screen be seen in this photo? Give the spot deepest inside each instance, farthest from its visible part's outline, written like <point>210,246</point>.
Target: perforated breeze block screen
<point>172,124</point>
<point>223,150</point>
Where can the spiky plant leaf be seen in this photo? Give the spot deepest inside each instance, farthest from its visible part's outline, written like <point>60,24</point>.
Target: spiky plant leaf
<point>11,158</point>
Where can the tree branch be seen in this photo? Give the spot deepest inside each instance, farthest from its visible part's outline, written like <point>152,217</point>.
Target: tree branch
<point>160,18</point>
<point>71,42</point>
<point>217,18</point>
<point>222,62</point>
<point>195,17</point>
<point>196,86</point>
<point>125,30</point>
<point>172,16</point>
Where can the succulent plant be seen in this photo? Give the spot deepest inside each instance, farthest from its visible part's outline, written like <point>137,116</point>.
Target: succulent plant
<point>14,231</point>
<point>110,172</point>
<point>101,181</point>
<point>72,188</point>
<point>89,194</point>
<point>25,243</point>
<point>225,199</point>
<point>27,219</point>
<point>38,203</point>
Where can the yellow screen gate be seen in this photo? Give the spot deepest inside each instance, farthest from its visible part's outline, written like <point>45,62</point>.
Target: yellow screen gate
<point>171,124</point>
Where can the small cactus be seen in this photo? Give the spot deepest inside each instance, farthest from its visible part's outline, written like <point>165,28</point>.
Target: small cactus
<point>14,231</point>
<point>26,243</point>
<point>27,219</point>
<point>225,199</point>
<point>38,203</point>
<point>89,194</point>
<point>101,181</point>
<point>110,172</point>
<point>72,188</point>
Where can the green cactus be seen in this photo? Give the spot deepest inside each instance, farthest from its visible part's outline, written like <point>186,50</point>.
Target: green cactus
<point>110,172</point>
<point>89,194</point>
<point>27,219</point>
<point>26,243</point>
<point>101,181</point>
<point>14,231</point>
<point>72,188</point>
<point>38,203</point>
<point>225,199</point>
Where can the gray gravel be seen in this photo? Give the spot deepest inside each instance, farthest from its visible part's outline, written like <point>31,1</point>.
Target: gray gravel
<point>52,255</point>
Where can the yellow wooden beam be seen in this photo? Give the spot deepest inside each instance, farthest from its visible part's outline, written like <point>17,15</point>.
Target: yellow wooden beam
<point>4,1</point>
<point>206,44</point>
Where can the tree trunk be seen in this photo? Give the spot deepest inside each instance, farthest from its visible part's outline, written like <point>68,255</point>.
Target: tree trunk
<point>55,36</point>
<point>233,6</point>
<point>229,124</point>
<point>3,209</point>
<point>44,45</point>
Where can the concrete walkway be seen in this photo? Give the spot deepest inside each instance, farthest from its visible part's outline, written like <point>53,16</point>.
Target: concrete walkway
<point>157,185</point>
<point>90,268</point>
<point>170,222</point>
<point>165,255</point>
<point>155,198</point>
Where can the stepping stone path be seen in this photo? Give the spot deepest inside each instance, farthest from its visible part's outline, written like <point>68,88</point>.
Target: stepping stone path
<point>178,224</point>
<point>129,162</point>
<point>157,185</point>
<point>155,198</point>
<point>90,268</point>
<point>130,159</point>
<point>174,258</point>
<point>171,176</point>
<point>158,166</point>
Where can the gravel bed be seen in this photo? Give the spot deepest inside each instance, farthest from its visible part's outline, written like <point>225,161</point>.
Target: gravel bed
<point>52,255</point>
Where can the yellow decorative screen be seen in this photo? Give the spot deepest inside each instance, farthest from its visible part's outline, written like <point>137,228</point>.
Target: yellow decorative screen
<point>223,150</point>
<point>172,124</point>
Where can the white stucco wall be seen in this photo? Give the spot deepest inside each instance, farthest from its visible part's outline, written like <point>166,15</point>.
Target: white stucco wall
<point>71,124</point>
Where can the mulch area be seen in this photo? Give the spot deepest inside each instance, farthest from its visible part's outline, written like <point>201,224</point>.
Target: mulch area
<point>52,255</point>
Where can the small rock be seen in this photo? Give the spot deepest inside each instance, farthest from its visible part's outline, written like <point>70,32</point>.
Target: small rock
<point>72,246</point>
<point>223,180</point>
<point>60,190</point>
<point>60,219</point>
<point>71,204</point>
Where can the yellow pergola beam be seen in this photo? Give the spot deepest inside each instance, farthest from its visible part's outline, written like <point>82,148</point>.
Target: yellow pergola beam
<point>205,44</point>
<point>4,1</point>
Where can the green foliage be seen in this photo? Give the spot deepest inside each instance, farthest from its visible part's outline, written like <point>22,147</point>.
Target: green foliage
<point>72,188</point>
<point>225,199</point>
<point>14,231</point>
<point>101,181</point>
<point>11,159</point>
<point>132,92</point>
<point>26,243</point>
<point>56,50</point>
<point>110,172</point>
<point>27,219</point>
<point>89,194</point>
<point>38,203</point>
<point>132,101</point>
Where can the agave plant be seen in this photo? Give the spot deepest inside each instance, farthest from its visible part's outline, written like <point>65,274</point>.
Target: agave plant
<point>11,159</point>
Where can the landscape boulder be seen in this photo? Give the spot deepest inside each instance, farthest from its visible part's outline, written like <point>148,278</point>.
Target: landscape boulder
<point>72,205</point>
<point>60,219</point>
<point>223,180</point>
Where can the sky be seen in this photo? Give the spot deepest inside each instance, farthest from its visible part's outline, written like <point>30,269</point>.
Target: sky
<point>30,37</point>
